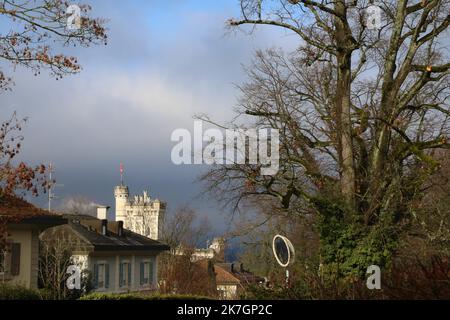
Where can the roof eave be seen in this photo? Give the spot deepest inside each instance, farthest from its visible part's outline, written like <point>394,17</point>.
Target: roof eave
<point>101,248</point>
<point>40,221</point>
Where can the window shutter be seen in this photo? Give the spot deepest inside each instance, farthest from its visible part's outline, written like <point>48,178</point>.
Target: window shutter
<point>129,274</point>
<point>150,268</point>
<point>121,275</point>
<point>15,259</point>
<point>2,261</point>
<point>95,276</point>
<point>106,275</point>
<point>141,274</point>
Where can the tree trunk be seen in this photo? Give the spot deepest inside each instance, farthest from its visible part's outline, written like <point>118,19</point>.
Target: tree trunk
<point>344,44</point>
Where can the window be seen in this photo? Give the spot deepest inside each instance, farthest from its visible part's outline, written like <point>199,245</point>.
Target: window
<point>125,274</point>
<point>101,275</point>
<point>222,293</point>
<point>146,272</point>
<point>15,259</point>
<point>10,259</point>
<point>2,261</point>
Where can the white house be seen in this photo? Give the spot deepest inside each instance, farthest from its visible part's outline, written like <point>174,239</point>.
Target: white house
<point>21,223</point>
<point>118,259</point>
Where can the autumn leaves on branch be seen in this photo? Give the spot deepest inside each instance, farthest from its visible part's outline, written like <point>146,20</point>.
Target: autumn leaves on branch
<point>36,30</point>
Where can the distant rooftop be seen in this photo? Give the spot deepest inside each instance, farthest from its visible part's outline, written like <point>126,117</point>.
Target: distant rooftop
<point>229,273</point>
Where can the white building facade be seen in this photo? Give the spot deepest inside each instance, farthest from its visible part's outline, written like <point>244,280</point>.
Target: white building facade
<point>140,214</point>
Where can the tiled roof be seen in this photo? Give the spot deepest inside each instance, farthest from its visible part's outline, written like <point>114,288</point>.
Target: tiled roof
<point>225,277</point>
<point>14,210</point>
<point>226,272</point>
<point>230,273</point>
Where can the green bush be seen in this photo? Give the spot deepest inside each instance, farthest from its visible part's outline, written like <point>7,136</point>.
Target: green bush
<point>15,292</point>
<point>298,291</point>
<point>348,245</point>
<point>138,296</point>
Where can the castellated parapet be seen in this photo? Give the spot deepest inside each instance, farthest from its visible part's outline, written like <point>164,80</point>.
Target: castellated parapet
<point>140,213</point>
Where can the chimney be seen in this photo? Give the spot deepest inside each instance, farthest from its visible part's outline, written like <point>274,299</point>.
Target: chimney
<point>120,228</point>
<point>102,212</point>
<point>104,230</point>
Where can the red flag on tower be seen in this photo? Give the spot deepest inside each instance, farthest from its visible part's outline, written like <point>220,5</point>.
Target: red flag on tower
<point>121,173</point>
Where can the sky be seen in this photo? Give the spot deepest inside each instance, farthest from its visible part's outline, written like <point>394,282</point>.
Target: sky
<point>165,62</point>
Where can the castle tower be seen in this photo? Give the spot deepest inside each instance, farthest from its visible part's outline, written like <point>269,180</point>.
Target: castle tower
<point>140,213</point>
<point>218,245</point>
<point>159,208</point>
<point>121,194</point>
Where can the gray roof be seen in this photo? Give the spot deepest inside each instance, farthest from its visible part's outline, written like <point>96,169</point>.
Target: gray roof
<point>89,230</point>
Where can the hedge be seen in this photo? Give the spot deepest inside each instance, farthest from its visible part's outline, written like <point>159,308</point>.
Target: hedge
<point>137,296</point>
<point>16,292</point>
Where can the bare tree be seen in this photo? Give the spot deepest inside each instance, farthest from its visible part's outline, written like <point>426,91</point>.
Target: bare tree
<point>185,228</point>
<point>182,275</point>
<point>179,273</point>
<point>54,260</point>
<point>358,112</point>
<point>431,212</point>
<point>56,254</point>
